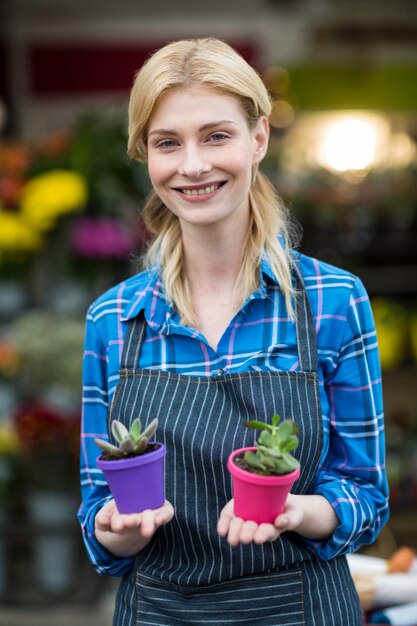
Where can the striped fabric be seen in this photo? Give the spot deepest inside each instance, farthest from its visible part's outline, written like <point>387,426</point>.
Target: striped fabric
<point>201,420</point>
<point>260,338</point>
<point>225,603</point>
<point>188,574</point>
<point>255,602</point>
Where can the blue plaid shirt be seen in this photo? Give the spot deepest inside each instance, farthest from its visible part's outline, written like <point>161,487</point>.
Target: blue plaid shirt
<point>352,468</point>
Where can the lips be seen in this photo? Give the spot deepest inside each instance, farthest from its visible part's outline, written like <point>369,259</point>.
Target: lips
<point>200,190</point>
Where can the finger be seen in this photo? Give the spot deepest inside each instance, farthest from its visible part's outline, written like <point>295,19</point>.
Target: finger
<point>290,520</point>
<point>110,507</point>
<point>164,514</point>
<point>223,524</point>
<point>148,523</point>
<point>265,532</point>
<point>228,508</point>
<point>235,528</point>
<point>248,531</point>
<point>103,518</point>
<point>102,521</point>
<point>281,523</point>
<point>160,516</point>
<point>121,522</point>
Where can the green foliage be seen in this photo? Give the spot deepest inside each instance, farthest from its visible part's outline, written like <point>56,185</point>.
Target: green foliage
<point>131,442</point>
<point>40,337</point>
<point>98,151</point>
<point>274,447</point>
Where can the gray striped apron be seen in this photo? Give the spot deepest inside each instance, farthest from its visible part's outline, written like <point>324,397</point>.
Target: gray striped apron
<point>188,574</point>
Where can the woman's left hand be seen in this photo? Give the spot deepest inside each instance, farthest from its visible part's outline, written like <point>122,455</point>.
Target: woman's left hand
<point>239,531</point>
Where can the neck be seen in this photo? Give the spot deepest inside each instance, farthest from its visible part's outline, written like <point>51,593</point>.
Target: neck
<point>213,258</point>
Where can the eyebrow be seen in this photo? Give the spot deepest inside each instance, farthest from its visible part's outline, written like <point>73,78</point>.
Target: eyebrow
<point>208,126</point>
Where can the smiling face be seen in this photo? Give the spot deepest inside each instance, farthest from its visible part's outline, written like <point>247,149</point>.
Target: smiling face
<point>201,152</point>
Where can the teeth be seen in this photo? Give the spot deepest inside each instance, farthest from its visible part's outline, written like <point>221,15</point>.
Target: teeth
<point>200,192</point>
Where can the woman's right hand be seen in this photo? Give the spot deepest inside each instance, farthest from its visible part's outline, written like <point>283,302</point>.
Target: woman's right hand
<point>127,534</point>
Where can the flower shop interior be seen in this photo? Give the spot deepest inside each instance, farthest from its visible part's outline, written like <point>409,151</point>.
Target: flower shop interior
<point>343,156</point>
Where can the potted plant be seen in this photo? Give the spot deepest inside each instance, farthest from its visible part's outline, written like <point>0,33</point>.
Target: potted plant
<point>134,469</point>
<point>262,475</point>
<point>9,490</point>
<point>49,440</point>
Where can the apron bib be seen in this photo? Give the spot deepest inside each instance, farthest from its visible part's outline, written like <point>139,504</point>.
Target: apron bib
<point>188,574</point>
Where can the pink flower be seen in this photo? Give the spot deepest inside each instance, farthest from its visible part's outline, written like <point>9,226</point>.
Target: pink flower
<point>101,238</point>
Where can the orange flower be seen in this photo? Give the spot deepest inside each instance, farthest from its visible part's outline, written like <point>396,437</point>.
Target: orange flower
<point>14,160</point>
<point>10,187</point>
<point>55,143</point>
<point>9,359</point>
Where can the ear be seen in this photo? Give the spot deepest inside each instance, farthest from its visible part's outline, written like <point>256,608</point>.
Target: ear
<point>144,149</point>
<point>260,139</point>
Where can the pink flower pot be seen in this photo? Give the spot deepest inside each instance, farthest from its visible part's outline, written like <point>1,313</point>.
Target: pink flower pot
<point>259,498</point>
<point>136,483</point>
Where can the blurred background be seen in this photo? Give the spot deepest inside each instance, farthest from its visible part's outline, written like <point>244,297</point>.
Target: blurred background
<point>343,76</point>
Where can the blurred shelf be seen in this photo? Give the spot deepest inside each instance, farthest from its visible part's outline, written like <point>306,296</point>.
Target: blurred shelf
<point>390,279</point>
<point>66,615</point>
<point>403,524</point>
<point>400,390</point>
<point>24,589</point>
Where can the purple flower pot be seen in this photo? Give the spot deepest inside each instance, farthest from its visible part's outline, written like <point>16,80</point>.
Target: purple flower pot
<point>259,498</point>
<point>136,483</point>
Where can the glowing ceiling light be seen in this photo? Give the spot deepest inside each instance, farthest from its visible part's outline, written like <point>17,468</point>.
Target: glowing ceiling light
<point>349,144</point>
<point>403,150</point>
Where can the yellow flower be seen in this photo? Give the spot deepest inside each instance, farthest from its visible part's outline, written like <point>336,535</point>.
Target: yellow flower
<point>16,235</point>
<point>9,441</point>
<point>52,194</point>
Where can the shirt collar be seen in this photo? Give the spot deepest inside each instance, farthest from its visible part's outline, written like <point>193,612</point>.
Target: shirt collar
<point>267,275</point>
<point>149,297</point>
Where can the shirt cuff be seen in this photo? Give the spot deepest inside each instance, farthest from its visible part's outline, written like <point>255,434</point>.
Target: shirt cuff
<point>102,560</point>
<point>353,523</point>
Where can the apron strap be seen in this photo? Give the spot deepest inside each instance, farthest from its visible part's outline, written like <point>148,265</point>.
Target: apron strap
<point>306,332</point>
<point>133,342</point>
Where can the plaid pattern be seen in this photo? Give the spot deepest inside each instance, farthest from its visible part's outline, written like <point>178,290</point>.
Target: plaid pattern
<point>260,337</point>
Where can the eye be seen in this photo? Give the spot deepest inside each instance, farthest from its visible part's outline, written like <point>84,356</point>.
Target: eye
<point>216,137</point>
<point>166,144</point>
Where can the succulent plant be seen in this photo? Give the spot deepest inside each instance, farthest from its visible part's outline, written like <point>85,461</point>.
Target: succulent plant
<point>132,442</point>
<point>274,447</point>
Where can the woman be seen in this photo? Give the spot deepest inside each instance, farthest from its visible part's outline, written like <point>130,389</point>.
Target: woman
<point>229,322</point>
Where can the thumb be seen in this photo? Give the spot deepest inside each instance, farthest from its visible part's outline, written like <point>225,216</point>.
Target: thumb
<point>103,518</point>
<point>289,520</point>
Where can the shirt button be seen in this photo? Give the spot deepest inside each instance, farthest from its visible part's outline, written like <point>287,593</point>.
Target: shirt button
<point>220,371</point>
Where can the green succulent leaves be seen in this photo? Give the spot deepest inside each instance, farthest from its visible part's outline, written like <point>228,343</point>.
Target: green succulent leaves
<point>274,447</point>
<point>130,442</point>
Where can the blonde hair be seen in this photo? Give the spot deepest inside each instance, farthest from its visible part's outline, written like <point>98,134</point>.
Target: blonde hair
<point>214,64</point>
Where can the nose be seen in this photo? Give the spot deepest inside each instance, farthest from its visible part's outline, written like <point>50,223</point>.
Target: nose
<point>194,162</point>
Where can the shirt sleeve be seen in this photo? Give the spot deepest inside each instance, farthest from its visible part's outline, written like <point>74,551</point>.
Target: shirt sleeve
<point>94,490</point>
<point>352,475</point>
